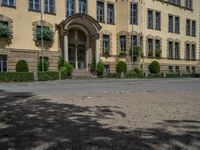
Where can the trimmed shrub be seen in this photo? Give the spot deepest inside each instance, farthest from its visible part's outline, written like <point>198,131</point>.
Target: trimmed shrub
<point>48,76</point>
<point>46,65</point>
<point>112,75</point>
<point>121,67</point>
<point>158,75</point>
<point>22,66</point>
<point>100,68</point>
<point>172,75</point>
<point>16,76</point>
<point>154,67</point>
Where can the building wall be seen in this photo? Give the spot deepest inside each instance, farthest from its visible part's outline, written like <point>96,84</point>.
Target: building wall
<point>23,27</point>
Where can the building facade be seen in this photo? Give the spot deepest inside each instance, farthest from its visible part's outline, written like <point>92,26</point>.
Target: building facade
<point>86,30</point>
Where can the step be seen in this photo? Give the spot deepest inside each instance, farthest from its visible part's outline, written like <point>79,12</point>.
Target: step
<point>82,74</point>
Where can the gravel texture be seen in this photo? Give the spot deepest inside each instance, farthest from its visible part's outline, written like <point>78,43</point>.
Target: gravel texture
<point>101,115</point>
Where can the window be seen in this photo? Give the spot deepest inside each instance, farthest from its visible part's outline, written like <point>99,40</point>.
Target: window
<point>158,21</point>
<point>177,24</point>
<point>170,45</point>
<point>110,14</point>
<point>150,19</point>
<point>34,5</point>
<point>176,2</point>
<point>187,69</point>
<point>150,44</point>
<point>10,3</point>
<point>193,28</point>
<point>106,44</point>
<point>71,7</point>
<point>170,22</point>
<point>187,27</point>
<point>123,43</point>
<point>193,70</point>
<point>134,13</point>
<point>82,6</point>
<point>3,63</point>
<point>171,69</point>
<point>4,23</point>
<point>157,43</point>
<point>100,11</point>
<point>49,6</point>
<point>134,40</point>
<point>188,4</point>
<point>177,47</point>
<point>187,51</point>
<point>106,69</point>
<point>193,52</point>
<point>177,69</point>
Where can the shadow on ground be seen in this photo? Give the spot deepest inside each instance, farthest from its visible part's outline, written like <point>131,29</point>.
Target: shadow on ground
<point>28,122</point>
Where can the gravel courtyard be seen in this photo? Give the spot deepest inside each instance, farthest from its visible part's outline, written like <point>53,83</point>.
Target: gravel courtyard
<point>101,115</point>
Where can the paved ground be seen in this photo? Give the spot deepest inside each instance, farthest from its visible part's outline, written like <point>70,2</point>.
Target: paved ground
<point>101,115</point>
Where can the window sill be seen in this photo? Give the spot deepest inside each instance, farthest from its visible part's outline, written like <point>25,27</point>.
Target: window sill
<point>9,6</point>
<point>50,13</point>
<point>32,10</point>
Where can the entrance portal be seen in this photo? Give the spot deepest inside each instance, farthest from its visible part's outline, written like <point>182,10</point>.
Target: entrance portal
<point>77,48</point>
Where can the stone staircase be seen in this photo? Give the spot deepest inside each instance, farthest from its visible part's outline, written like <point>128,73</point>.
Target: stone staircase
<point>82,74</point>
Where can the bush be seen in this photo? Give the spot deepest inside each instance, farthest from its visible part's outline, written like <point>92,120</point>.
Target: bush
<point>135,73</point>
<point>121,67</point>
<point>186,75</point>
<point>66,71</point>
<point>61,62</point>
<point>100,68</point>
<point>22,66</point>
<point>136,51</point>
<point>16,77</point>
<point>93,65</point>
<point>154,67</point>
<point>158,75</point>
<point>150,53</point>
<point>46,65</point>
<point>112,75</point>
<point>172,75</point>
<point>48,76</point>
<point>4,31</point>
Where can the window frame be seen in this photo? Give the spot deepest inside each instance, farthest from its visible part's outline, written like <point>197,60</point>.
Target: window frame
<point>100,17</point>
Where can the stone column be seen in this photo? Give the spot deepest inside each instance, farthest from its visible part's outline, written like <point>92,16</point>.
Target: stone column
<point>97,51</point>
<point>66,51</point>
<point>76,55</point>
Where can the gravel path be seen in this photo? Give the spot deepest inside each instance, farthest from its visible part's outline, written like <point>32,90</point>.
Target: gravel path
<point>101,115</point>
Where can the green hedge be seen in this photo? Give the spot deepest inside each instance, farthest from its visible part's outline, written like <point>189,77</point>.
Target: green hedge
<point>172,75</point>
<point>186,75</point>
<point>16,77</point>
<point>48,76</point>
<point>158,75</point>
<point>113,75</point>
<point>134,75</point>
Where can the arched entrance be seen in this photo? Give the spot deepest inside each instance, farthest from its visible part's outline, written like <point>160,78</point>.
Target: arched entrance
<point>80,40</point>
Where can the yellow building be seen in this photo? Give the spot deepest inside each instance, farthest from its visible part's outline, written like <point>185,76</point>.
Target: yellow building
<point>84,30</point>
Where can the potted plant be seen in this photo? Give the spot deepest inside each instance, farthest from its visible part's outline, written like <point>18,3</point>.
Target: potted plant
<point>135,52</point>
<point>150,53</point>
<point>158,53</point>
<point>122,53</point>
<point>4,31</point>
<point>47,34</point>
<point>106,51</point>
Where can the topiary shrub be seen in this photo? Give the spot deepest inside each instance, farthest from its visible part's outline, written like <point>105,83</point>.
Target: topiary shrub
<point>46,65</point>
<point>154,67</point>
<point>16,76</point>
<point>100,68</point>
<point>22,66</point>
<point>121,67</point>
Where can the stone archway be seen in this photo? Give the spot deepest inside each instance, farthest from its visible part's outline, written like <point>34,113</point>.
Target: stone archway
<point>81,40</point>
